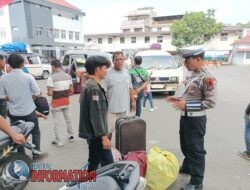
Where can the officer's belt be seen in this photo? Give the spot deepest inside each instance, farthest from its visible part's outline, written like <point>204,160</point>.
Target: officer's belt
<point>193,113</point>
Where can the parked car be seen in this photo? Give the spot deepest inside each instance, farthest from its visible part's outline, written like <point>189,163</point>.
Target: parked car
<point>79,57</point>
<point>75,59</point>
<point>38,65</point>
<point>166,73</point>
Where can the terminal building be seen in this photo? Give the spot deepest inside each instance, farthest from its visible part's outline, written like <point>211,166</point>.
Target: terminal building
<point>48,27</point>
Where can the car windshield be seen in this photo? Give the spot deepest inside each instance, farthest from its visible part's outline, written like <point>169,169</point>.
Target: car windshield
<point>79,60</point>
<point>159,62</point>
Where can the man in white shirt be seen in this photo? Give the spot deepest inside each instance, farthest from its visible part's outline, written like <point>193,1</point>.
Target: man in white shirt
<point>120,91</point>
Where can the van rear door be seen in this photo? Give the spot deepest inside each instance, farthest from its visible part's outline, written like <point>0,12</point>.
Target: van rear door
<point>34,65</point>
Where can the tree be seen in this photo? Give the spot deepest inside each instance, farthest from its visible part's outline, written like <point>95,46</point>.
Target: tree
<point>194,28</point>
<point>246,25</point>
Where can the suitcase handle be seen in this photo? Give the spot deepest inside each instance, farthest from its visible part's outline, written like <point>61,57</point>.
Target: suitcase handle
<point>130,117</point>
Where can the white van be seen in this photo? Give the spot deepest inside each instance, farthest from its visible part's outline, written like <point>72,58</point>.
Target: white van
<point>38,65</point>
<point>79,57</point>
<point>165,73</point>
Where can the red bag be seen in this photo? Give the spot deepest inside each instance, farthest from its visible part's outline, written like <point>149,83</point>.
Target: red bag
<point>141,158</point>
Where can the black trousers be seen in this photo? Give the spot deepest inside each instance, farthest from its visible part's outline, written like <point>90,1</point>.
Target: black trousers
<point>3,108</point>
<point>97,155</point>
<point>35,131</point>
<point>192,131</point>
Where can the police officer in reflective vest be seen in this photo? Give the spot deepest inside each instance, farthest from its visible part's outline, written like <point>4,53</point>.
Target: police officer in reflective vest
<point>199,94</point>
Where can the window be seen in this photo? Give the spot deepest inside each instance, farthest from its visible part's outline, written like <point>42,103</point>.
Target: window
<point>44,60</point>
<point>133,40</point>
<point>33,60</point>
<point>2,33</point>
<point>110,40</point>
<point>15,28</point>
<point>70,35</point>
<point>77,35</point>
<point>147,39</point>
<point>159,61</point>
<point>126,30</point>
<point>159,39</point>
<point>158,29</point>
<point>147,29</point>
<point>122,40</point>
<point>49,32</point>
<point>99,40</point>
<point>248,55</point>
<point>63,34</point>
<point>39,31</point>
<point>223,36</point>
<point>138,29</point>
<point>89,40</point>
<point>65,60</point>
<point>56,33</point>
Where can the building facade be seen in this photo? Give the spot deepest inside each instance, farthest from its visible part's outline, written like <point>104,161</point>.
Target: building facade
<point>5,28</point>
<point>140,29</point>
<point>47,27</point>
<point>221,43</point>
<point>241,51</point>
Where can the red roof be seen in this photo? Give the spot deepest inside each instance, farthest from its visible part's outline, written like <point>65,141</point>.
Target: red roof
<point>245,39</point>
<point>64,4</point>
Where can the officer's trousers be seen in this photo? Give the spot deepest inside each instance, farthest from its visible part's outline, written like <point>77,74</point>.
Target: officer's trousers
<point>192,131</point>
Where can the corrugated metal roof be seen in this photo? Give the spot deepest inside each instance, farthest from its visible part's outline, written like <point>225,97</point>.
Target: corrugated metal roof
<point>232,28</point>
<point>245,39</point>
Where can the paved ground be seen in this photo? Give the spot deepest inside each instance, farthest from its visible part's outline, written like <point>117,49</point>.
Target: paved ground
<point>225,170</point>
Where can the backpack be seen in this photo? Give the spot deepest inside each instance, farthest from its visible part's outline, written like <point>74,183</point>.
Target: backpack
<point>42,105</point>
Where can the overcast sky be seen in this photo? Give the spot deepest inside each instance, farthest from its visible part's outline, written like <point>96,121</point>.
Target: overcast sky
<point>106,15</point>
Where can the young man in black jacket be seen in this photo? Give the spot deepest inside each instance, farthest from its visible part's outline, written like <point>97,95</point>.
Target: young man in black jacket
<point>93,114</point>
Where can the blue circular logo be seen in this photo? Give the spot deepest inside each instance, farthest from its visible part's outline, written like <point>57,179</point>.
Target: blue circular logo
<point>17,170</point>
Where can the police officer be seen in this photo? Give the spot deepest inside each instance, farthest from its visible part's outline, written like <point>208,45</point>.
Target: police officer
<point>198,95</point>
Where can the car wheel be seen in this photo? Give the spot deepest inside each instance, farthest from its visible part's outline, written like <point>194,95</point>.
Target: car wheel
<point>45,74</point>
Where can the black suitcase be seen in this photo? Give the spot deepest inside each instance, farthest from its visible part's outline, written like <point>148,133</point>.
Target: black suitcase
<point>130,134</point>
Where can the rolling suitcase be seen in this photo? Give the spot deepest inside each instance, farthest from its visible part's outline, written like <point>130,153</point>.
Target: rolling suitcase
<point>130,134</point>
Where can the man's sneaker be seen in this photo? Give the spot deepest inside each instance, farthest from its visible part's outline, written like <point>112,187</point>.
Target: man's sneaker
<point>40,156</point>
<point>245,154</point>
<point>58,144</point>
<point>71,138</point>
<point>151,109</point>
<point>190,186</point>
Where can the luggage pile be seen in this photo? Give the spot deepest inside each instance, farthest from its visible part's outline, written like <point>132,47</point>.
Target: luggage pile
<point>159,169</point>
<point>133,168</point>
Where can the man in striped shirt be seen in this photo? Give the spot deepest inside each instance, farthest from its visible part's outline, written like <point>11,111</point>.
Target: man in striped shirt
<point>59,85</point>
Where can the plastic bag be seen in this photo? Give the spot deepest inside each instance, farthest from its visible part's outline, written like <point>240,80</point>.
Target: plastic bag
<point>163,169</point>
<point>116,155</point>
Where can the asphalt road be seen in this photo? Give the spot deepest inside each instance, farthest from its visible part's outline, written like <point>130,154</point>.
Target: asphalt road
<point>225,170</point>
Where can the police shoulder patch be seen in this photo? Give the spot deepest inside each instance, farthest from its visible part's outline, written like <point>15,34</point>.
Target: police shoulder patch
<point>95,98</point>
<point>210,82</point>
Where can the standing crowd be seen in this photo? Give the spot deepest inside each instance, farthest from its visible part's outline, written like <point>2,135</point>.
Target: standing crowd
<point>111,92</point>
